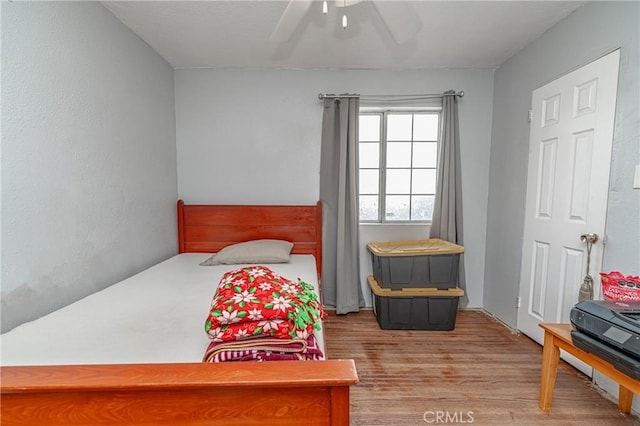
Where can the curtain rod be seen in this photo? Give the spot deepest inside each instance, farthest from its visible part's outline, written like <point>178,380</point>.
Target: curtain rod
<point>322,96</point>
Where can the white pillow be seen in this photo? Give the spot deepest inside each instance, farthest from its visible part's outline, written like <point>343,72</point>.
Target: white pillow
<point>257,251</point>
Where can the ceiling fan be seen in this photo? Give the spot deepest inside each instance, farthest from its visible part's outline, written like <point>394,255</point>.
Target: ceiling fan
<point>398,17</point>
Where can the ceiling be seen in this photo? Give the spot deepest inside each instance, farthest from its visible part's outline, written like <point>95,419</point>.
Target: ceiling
<point>229,34</point>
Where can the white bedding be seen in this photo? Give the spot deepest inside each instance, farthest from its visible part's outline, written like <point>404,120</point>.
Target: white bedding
<point>156,316</point>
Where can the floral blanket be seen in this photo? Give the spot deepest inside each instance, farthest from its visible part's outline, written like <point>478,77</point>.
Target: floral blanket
<point>255,301</point>
<point>264,349</point>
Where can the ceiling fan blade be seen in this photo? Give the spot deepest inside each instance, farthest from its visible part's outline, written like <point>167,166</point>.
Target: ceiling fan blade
<point>400,19</point>
<point>347,3</point>
<point>290,19</point>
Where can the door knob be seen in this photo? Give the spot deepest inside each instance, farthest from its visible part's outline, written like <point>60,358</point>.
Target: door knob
<point>589,238</point>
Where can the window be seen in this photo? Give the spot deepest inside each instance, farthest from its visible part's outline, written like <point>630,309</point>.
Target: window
<point>398,154</point>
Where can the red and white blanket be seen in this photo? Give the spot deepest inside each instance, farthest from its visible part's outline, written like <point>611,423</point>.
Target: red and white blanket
<point>264,349</point>
<point>255,302</point>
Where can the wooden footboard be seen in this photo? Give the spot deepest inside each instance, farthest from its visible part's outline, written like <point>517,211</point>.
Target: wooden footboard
<point>241,393</point>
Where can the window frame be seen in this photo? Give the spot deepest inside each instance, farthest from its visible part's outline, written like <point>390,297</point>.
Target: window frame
<point>382,159</point>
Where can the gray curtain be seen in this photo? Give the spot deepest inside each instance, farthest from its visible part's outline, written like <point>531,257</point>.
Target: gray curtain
<point>339,196</point>
<point>447,210</point>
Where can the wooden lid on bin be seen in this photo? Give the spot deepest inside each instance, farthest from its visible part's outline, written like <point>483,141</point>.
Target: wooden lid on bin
<point>414,247</point>
<point>408,292</point>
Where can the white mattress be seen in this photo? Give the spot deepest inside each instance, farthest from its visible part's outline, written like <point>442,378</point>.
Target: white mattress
<point>156,316</point>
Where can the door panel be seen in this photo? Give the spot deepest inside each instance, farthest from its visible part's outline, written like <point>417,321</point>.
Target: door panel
<point>568,179</point>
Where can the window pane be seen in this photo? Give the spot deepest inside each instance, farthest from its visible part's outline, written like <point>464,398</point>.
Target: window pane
<point>423,181</point>
<point>369,128</point>
<point>369,155</point>
<point>399,127</point>
<point>404,158</point>
<point>397,207</point>
<point>398,181</point>
<point>425,127</point>
<point>425,154</point>
<point>369,181</point>
<point>399,154</point>
<point>422,207</point>
<point>368,207</point>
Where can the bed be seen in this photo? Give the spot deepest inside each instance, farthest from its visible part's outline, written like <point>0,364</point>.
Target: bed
<point>165,383</point>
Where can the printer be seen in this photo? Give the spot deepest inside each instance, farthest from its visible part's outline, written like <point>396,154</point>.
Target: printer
<point>610,330</point>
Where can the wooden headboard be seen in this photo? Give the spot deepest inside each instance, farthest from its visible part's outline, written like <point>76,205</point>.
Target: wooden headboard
<point>207,228</point>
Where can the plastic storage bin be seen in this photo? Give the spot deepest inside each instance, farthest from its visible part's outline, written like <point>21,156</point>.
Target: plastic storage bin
<point>416,308</point>
<point>416,263</point>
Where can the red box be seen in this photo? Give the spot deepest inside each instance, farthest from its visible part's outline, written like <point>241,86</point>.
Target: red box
<point>616,286</point>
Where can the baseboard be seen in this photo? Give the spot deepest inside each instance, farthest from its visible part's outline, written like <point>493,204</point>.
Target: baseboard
<point>494,318</point>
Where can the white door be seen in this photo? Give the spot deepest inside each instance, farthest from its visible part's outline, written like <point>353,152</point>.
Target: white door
<point>567,186</point>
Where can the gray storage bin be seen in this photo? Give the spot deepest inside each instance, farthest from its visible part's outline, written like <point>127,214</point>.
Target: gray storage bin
<point>431,263</point>
<point>415,309</point>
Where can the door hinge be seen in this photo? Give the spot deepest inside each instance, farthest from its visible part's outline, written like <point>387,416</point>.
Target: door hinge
<point>517,302</point>
<point>530,116</point>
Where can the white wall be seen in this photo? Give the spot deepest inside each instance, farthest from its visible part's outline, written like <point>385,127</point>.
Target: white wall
<point>253,136</point>
<point>88,155</point>
<point>587,34</point>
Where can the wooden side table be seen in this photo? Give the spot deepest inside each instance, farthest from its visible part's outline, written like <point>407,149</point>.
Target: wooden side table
<point>558,336</point>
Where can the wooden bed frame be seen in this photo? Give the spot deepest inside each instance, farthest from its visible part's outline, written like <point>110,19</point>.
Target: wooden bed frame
<point>234,393</point>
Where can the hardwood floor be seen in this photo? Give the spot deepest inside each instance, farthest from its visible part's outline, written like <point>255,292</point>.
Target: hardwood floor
<point>480,373</point>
